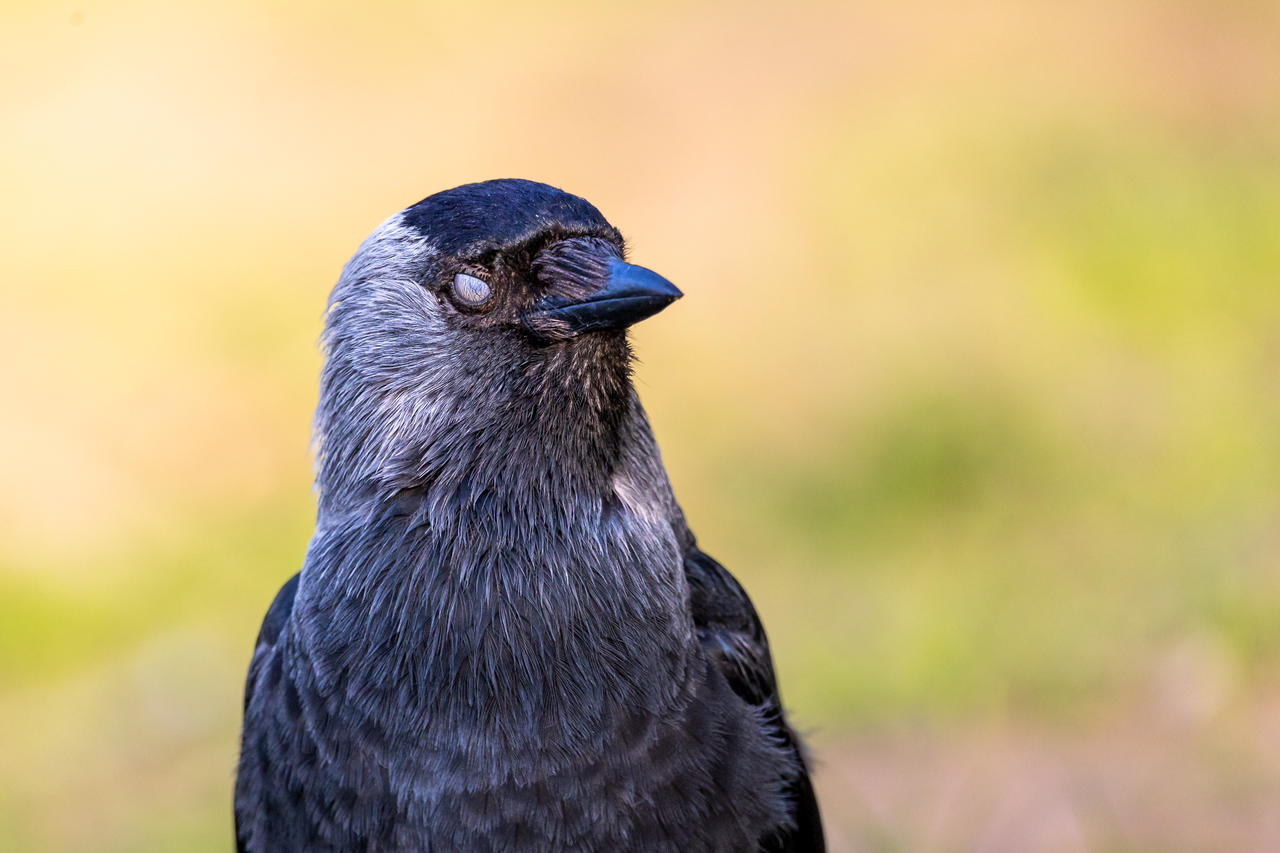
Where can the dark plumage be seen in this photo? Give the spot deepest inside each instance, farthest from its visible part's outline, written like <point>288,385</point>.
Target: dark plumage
<point>504,636</point>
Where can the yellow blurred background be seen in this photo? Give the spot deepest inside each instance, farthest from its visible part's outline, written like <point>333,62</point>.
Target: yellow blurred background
<point>976,385</point>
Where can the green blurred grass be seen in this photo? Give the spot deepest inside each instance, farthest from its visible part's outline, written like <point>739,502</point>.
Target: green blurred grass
<point>976,387</point>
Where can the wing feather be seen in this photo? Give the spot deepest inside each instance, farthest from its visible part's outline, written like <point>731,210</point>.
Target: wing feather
<point>272,624</point>
<point>730,630</point>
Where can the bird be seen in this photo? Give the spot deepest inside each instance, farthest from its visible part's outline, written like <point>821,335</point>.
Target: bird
<point>504,636</point>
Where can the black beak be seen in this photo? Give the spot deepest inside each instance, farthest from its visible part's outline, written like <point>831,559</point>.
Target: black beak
<point>629,295</point>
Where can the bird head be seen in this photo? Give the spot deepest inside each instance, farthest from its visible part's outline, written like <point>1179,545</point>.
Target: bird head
<point>484,320</point>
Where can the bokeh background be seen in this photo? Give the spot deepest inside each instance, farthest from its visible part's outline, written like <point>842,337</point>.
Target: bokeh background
<point>976,385</point>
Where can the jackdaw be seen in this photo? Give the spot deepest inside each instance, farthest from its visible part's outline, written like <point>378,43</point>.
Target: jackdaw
<point>504,636</point>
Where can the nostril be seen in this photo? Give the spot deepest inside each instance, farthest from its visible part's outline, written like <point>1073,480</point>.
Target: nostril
<point>574,267</point>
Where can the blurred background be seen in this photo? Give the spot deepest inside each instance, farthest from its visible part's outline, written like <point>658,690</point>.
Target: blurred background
<point>976,385</point>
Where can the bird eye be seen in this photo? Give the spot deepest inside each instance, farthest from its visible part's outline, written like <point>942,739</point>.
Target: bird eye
<point>470,291</point>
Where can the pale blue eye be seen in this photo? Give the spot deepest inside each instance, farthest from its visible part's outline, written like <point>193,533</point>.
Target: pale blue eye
<point>470,290</point>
